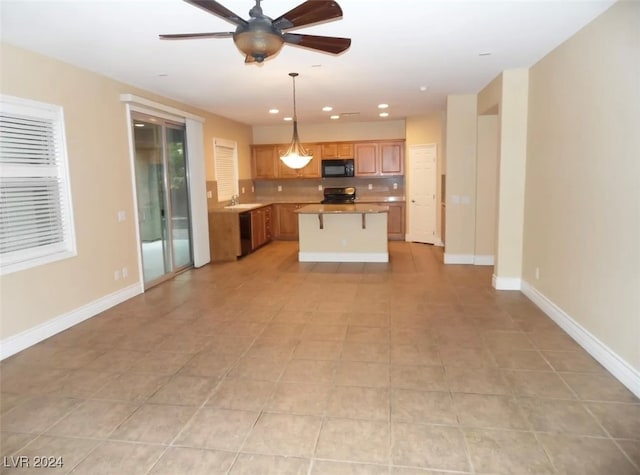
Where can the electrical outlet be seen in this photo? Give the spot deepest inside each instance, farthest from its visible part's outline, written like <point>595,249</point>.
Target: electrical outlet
<point>125,272</point>
<point>116,275</point>
<point>319,187</point>
<point>279,187</point>
<point>253,189</point>
<point>243,190</point>
<point>537,273</point>
<point>209,195</point>
<point>370,186</point>
<point>395,186</point>
<point>121,216</point>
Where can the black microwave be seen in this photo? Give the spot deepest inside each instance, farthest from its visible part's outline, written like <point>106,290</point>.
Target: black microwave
<point>335,168</point>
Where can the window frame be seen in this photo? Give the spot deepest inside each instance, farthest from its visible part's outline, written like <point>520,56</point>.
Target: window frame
<point>35,256</point>
<point>224,143</point>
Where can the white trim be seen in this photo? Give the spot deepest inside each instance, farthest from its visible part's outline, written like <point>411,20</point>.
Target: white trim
<point>458,258</point>
<point>13,344</point>
<point>197,192</point>
<point>617,366</point>
<point>480,260</point>
<point>506,283</point>
<point>343,256</point>
<point>439,242</point>
<point>157,106</point>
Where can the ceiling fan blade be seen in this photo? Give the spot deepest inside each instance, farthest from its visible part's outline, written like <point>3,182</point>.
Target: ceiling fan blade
<point>192,36</point>
<point>308,13</point>
<point>328,44</point>
<point>214,7</point>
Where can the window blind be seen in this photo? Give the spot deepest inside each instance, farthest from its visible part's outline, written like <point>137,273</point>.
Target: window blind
<point>36,225</point>
<point>226,169</point>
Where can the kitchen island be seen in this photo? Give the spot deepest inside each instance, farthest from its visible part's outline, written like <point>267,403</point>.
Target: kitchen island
<point>343,233</point>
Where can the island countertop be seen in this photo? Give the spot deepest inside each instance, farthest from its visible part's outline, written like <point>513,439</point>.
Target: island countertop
<point>357,208</point>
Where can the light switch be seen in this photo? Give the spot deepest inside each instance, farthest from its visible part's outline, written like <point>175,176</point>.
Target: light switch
<point>279,187</point>
<point>370,186</point>
<point>455,199</point>
<point>243,190</point>
<point>465,200</point>
<point>121,216</point>
<point>319,187</point>
<point>395,186</point>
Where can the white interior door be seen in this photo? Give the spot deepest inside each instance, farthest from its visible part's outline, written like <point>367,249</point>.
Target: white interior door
<point>422,193</point>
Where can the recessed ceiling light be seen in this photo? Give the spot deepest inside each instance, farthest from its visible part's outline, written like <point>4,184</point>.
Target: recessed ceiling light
<point>384,114</point>
<point>273,111</point>
<point>288,119</point>
<point>138,124</point>
<point>383,106</point>
<point>335,117</point>
<point>424,88</point>
<point>327,108</point>
<point>162,75</point>
<point>486,53</point>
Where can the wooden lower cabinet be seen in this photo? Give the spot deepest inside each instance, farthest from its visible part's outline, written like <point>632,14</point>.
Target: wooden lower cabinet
<point>232,235</point>
<point>395,221</point>
<point>286,221</point>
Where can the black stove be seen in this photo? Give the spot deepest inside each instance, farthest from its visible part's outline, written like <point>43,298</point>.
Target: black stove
<point>346,195</point>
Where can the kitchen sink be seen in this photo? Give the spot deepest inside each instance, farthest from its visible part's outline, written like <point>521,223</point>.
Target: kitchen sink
<point>244,206</point>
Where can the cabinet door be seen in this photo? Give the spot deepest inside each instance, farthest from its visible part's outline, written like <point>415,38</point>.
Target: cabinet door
<point>287,221</point>
<point>395,221</point>
<point>268,235</point>
<point>391,158</point>
<point>313,169</point>
<point>337,150</point>
<point>365,155</point>
<point>264,161</point>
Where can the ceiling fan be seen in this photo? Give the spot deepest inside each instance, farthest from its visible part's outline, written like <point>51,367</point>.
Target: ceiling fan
<point>261,36</point>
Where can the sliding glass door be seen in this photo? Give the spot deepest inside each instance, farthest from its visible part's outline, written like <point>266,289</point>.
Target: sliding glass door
<point>163,205</point>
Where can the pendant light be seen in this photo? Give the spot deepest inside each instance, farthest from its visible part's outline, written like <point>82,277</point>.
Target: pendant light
<point>296,156</point>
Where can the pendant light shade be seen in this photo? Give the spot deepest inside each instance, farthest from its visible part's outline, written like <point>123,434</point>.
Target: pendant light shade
<point>296,156</point>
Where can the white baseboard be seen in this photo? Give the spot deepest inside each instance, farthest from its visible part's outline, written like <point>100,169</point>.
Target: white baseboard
<point>506,283</point>
<point>480,260</point>
<point>23,340</point>
<point>617,366</point>
<point>343,256</point>
<point>458,258</point>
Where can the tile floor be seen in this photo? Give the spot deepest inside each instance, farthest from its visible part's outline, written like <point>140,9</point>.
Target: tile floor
<point>269,366</point>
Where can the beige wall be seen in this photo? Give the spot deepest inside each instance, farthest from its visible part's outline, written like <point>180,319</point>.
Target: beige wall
<point>331,131</point>
<point>486,185</point>
<point>97,142</point>
<point>427,129</point>
<point>511,175</point>
<point>582,212</point>
<point>461,175</point>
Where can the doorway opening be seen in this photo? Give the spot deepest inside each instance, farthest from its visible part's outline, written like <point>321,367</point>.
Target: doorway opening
<point>162,189</point>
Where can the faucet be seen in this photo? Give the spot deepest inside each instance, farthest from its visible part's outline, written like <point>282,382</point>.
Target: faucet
<point>235,199</point>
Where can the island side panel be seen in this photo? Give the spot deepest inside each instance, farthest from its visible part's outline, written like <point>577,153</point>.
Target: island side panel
<point>342,238</point>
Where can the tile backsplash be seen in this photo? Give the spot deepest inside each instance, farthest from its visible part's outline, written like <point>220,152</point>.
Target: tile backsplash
<point>311,189</point>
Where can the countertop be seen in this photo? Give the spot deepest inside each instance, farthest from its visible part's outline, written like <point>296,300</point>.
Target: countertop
<point>306,201</point>
<point>358,208</point>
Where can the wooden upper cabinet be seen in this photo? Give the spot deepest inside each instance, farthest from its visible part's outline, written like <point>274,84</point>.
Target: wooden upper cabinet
<point>337,150</point>
<point>366,159</point>
<point>391,158</point>
<point>379,158</point>
<point>374,158</point>
<point>264,161</point>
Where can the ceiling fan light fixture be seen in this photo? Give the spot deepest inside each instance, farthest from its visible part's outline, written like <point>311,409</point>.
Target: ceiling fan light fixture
<point>296,156</point>
<point>258,44</point>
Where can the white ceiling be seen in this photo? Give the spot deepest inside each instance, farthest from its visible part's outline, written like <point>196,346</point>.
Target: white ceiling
<point>397,47</point>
